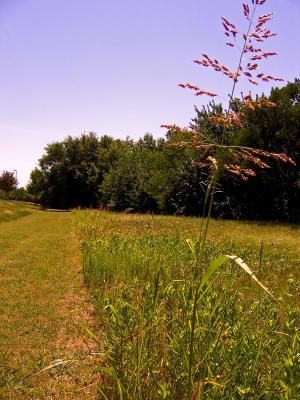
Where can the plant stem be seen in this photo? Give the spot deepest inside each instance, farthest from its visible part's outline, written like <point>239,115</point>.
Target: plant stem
<point>246,39</point>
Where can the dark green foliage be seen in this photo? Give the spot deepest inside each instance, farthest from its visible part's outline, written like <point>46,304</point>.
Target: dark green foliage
<point>9,189</point>
<point>274,193</point>
<point>123,186</point>
<point>157,176</point>
<point>19,194</point>
<point>70,172</point>
<point>8,181</point>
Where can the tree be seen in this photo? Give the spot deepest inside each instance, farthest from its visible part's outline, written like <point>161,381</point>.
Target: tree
<point>275,130</point>
<point>162,175</point>
<point>274,192</point>
<point>126,184</point>
<point>37,185</point>
<point>8,181</point>
<point>216,138</point>
<point>69,173</point>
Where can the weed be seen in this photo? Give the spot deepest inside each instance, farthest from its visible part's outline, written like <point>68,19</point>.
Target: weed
<point>171,333</point>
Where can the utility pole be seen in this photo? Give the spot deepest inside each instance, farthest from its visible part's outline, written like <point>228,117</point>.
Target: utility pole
<point>16,172</point>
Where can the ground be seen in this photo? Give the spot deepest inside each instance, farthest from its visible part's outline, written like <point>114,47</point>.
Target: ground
<point>44,349</point>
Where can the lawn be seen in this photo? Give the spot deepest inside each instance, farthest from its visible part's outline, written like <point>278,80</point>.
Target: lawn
<point>43,307</point>
<point>10,210</point>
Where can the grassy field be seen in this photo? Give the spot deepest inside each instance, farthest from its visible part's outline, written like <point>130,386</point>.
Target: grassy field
<point>43,306</point>
<point>174,324</point>
<point>182,325</point>
<point>11,210</point>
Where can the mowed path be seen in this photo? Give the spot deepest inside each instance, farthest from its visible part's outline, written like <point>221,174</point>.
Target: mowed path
<point>43,309</point>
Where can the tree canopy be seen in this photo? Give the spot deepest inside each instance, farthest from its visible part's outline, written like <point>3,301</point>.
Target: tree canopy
<point>8,181</point>
<point>159,176</point>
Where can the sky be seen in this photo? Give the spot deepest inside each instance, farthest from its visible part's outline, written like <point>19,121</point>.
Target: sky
<point>112,67</point>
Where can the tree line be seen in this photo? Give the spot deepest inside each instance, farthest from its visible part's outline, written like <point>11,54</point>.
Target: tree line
<point>158,175</point>
<point>9,188</point>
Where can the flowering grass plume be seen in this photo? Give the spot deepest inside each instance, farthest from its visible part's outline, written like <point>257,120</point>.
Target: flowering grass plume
<point>216,151</point>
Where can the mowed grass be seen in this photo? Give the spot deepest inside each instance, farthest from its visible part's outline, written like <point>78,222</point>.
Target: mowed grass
<point>177,324</point>
<point>43,305</point>
<point>11,210</point>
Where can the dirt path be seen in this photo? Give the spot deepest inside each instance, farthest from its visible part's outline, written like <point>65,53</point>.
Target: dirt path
<point>43,304</point>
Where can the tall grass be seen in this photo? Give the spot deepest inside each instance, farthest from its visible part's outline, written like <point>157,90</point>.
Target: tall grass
<point>176,326</point>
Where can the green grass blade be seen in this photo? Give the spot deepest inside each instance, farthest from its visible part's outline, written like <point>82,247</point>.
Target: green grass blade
<point>213,267</point>
<point>245,267</point>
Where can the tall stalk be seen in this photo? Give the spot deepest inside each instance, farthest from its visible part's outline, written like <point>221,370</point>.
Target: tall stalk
<point>213,151</point>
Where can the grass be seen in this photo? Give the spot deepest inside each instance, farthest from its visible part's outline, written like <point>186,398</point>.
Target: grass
<point>43,304</point>
<point>179,326</point>
<point>11,210</point>
<point>173,325</point>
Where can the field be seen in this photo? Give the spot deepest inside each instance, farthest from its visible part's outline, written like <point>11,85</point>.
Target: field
<point>43,306</point>
<point>167,322</point>
<point>10,210</point>
<point>177,324</point>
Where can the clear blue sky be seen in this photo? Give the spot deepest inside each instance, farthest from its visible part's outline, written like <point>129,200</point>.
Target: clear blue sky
<point>69,66</point>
